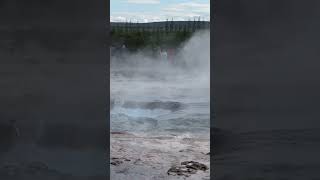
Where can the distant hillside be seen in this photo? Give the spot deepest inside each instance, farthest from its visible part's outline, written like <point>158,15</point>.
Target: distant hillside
<point>154,34</point>
<point>164,25</point>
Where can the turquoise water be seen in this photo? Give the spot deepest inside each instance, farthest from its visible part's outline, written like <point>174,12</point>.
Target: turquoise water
<point>188,95</point>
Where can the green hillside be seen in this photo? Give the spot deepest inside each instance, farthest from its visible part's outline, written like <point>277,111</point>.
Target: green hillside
<point>148,39</point>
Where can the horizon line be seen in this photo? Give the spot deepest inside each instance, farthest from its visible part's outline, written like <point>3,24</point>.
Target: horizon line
<point>156,21</point>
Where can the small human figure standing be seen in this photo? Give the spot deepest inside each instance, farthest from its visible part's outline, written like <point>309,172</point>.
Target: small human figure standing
<point>164,55</point>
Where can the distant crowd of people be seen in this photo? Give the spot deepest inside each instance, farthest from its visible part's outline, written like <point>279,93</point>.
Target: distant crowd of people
<point>167,54</point>
<point>164,54</point>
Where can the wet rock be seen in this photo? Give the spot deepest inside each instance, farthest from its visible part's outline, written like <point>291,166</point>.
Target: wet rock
<point>195,165</point>
<point>208,154</point>
<point>118,161</point>
<point>181,171</point>
<point>187,168</point>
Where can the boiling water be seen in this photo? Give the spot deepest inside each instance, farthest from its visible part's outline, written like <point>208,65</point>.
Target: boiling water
<point>170,104</point>
<point>150,96</point>
<point>160,112</point>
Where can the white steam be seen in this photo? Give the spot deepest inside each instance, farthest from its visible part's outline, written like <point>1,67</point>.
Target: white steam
<point>192,61</point>
<point>139,77</point>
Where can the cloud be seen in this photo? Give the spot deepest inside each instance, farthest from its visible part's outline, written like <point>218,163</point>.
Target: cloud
<point>134,17</point>
<point>178,11</point>
<point>118,18</point>
<point>188,9</point>
<point>144,1</point>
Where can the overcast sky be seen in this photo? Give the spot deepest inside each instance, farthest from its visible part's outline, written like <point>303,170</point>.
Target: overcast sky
<point>158,10</point>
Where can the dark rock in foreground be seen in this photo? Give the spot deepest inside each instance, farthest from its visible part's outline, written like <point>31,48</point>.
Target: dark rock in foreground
<point>187,168</point>
<point>118,161</point>
<point>181,171</point>
<point>195,165</point>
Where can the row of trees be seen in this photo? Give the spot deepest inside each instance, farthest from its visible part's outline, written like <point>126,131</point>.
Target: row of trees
<point>134,40</point>
<point>167,26</point>
<point>151,35</point>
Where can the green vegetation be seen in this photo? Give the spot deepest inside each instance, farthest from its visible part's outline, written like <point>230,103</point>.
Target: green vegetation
<point>148,39</point>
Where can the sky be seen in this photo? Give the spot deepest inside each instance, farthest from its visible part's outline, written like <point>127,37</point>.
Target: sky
<point>158,10</point>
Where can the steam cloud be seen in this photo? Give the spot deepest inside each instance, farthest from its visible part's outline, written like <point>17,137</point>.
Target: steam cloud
<point>192,62</point>
<point>139,80</point>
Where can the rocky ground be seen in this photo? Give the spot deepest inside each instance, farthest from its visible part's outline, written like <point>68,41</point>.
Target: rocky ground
<point>136,157</point>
